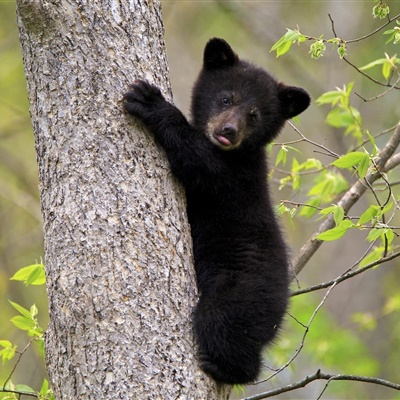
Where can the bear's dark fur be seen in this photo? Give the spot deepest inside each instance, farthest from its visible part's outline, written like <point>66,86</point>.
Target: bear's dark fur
<point>240,257</point>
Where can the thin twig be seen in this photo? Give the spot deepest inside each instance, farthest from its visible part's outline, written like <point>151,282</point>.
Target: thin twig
<point>379,95</point>
<point>390,20</point>
<point>368,76</point>
<point>346,276</point>
<point>17,362</point>
<point>329,377</point>
<point>384,132</point>
<point>328,151</point>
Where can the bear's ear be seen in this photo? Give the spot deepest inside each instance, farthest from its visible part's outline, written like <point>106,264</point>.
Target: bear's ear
<point>294,100</point>
<point>218,54</point>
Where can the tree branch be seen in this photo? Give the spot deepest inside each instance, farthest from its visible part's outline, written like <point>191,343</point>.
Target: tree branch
<point>349,199</point>
<point>329,377</point>
<point>346,275</point>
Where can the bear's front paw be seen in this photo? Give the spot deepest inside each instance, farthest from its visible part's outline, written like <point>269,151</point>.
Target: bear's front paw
<point>142,99</point>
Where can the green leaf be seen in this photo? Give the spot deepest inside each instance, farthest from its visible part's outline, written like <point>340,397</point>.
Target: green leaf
<point>340,118</point>
<point>311,208</point>
<point>338,215</point>
<point>32,275</point>
<point>370,213</point>
<point>373,142</point>
<point>351,159</point>
<point>33,311</point>
<point>45,387</point>
<point>374,234</point>
<point>375,255</point>
<point>310,163</point>
<point>386,69</point>
<point>40,342</point>
<point>21,310</point>
<point>381,10</point>
<point>337,232</point>
<point>388,64</point>
<point>342,51</point>
<point>328,210</point>
<point>281,156</point>
<point>24,389</point>
<point>363,166</point>
<point>389,235</point>
<point>5,343</point>
<point>8,396</point>
<point>374,64</point>
<point>23,323</point>
<point>283,45</point>
<point>8,352</point>
<point>336,211</point>
<point>317,49</point>
<point>331,97</point>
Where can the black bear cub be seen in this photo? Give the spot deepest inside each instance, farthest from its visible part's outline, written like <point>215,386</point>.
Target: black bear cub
<point>240,257</point>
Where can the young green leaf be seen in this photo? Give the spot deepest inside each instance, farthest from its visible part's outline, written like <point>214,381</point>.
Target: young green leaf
<point>31,275</point>
<point>375,255</point>
<point>351,159</point>
<point>283,45</point>
<point>311,208</point>
<point>23,323</point>
<point>381,10</point>
<point>24,389</point>
<point>337,232</point>
<point>370,213</point>
<point>338,215</point>
<point>45,387</point>
<point>373,142</point>
<point>395,34</point>
<point>336,211</point>
<point>374,234</point>
<point>281,156</point>
<point>328,210</point>
<point>331,97</point>
<point>342,50</point>
<point>317,49</point>
<point>8,351</point>
<point>21,310</point>
<point>388,64</point>
<point>363,166</point>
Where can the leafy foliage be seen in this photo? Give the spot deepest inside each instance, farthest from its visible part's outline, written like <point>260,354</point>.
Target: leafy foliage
<point>326,189</point>
<point>26,320</point>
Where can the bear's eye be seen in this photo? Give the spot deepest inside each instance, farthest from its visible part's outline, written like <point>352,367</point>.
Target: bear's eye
<point>253,116</point>
<point>226,101</point>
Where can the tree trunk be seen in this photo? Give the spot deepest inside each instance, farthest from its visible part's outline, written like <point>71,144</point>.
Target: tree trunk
<point>120,278</point>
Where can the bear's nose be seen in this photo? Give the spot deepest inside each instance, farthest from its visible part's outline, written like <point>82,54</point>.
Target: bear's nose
<point>229,130</point>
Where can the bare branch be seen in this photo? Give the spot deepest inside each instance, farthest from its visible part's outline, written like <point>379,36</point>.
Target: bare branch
<point>326,150</point>
<point>329,377</point>
<point>390,20</point>
<point>346,275</point>
<point>349,199</point>
<point>379,95</point>
<point>368,76</point>
<point>18,360</point>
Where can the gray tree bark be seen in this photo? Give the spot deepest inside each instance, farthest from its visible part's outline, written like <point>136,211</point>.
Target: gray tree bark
<point>120,279</point>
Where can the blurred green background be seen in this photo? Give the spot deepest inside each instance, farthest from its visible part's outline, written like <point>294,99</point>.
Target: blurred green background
<point>337,342</point>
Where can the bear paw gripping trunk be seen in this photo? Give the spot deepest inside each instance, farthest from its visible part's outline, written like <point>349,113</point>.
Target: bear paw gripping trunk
<point>240,257</point>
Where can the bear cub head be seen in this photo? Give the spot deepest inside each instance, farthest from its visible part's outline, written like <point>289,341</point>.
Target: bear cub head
<point>237,104</point>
